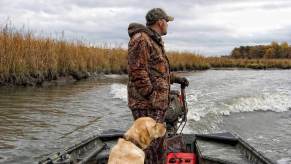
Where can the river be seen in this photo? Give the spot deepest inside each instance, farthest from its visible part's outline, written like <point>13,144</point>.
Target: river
<point>255,104</point>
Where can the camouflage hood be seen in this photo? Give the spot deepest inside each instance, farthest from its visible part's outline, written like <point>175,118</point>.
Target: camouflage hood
<point>134,28</point>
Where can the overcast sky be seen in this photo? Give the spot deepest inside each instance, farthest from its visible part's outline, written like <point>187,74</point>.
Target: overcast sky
<point>209,27</point>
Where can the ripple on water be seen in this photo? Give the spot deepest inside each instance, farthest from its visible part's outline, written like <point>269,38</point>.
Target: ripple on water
<point>2,159</point>
<point>284,161</point>
<point>6,146</point>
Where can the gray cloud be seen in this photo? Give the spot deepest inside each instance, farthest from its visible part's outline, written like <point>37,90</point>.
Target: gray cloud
<point>210,27</point>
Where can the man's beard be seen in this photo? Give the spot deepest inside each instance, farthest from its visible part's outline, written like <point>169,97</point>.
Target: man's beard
<point>164,33</point>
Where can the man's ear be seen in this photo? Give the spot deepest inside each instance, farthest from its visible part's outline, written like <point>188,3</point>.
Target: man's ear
<point>160,23</point>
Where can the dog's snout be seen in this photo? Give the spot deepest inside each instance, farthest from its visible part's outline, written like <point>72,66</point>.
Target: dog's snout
<point>161,128</point>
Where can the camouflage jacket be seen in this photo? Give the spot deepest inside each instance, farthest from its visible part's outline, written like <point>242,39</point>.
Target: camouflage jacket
<point>148,69</point>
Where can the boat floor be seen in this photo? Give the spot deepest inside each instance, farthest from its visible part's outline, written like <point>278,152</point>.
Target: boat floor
<point>226,148</point>
<point>223,152</point>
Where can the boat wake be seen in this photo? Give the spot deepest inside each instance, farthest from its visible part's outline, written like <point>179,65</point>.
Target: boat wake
<point>276,102</point>
<point>199,108</point>
<point>266,102</point>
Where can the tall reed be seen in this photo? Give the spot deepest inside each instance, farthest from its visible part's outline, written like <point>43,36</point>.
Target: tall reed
<point>27,60</point>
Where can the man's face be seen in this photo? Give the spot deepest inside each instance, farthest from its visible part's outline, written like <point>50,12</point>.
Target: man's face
<point>163,26</point>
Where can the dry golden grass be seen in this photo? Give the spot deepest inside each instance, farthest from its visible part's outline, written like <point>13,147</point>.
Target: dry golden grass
<point>24,57</point>
<point>26,60</point>
<point>187,61</point>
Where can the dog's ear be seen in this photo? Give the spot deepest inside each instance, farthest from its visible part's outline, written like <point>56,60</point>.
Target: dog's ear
<point>145,138</point>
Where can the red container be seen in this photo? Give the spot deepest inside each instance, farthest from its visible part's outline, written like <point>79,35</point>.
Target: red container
<point>181,158</point>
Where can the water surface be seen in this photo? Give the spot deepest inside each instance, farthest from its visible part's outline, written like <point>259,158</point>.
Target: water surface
<point>253,104</point>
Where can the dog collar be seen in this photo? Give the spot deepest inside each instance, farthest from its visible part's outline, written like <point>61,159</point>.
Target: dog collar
<point>133,141</point>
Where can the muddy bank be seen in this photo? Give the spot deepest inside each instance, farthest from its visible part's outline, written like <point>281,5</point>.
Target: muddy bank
<point>50,79</point>
<point>40,80</point>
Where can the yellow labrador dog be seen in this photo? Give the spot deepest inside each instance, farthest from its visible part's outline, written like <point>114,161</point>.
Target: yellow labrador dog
<point>129,150</point>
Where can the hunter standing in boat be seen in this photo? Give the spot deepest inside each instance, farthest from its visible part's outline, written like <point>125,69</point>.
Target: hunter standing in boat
<point>149,74</point>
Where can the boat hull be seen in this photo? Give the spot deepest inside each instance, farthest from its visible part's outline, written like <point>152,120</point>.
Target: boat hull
<point>209,149</point>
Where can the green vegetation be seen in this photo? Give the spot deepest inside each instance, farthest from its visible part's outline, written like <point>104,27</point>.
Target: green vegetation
<point>222,62</point>
<point>29,60</point>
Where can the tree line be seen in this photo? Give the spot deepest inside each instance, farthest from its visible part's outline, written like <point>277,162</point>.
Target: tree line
<point>273,51</point>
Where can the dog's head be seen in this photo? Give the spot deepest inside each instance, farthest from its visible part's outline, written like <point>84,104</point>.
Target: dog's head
<point>144,130</point>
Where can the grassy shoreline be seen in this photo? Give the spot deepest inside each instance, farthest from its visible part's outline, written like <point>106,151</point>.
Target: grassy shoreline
<point>30,61</point>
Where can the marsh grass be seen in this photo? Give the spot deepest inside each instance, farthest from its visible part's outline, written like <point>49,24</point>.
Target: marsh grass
<point>28,60</point>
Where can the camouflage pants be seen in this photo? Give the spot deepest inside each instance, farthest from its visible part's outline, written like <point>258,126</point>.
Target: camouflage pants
<point>154,153</point>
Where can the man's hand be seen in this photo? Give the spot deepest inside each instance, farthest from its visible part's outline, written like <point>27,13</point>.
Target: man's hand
<point>183,81</point>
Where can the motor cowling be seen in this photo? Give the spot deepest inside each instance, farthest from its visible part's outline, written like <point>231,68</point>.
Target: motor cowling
<point>175,110</point>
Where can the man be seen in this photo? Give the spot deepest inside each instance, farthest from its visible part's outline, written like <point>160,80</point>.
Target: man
<point>149,73</point>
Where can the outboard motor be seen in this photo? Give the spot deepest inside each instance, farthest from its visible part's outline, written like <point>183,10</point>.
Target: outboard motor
<point>176,115</point>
